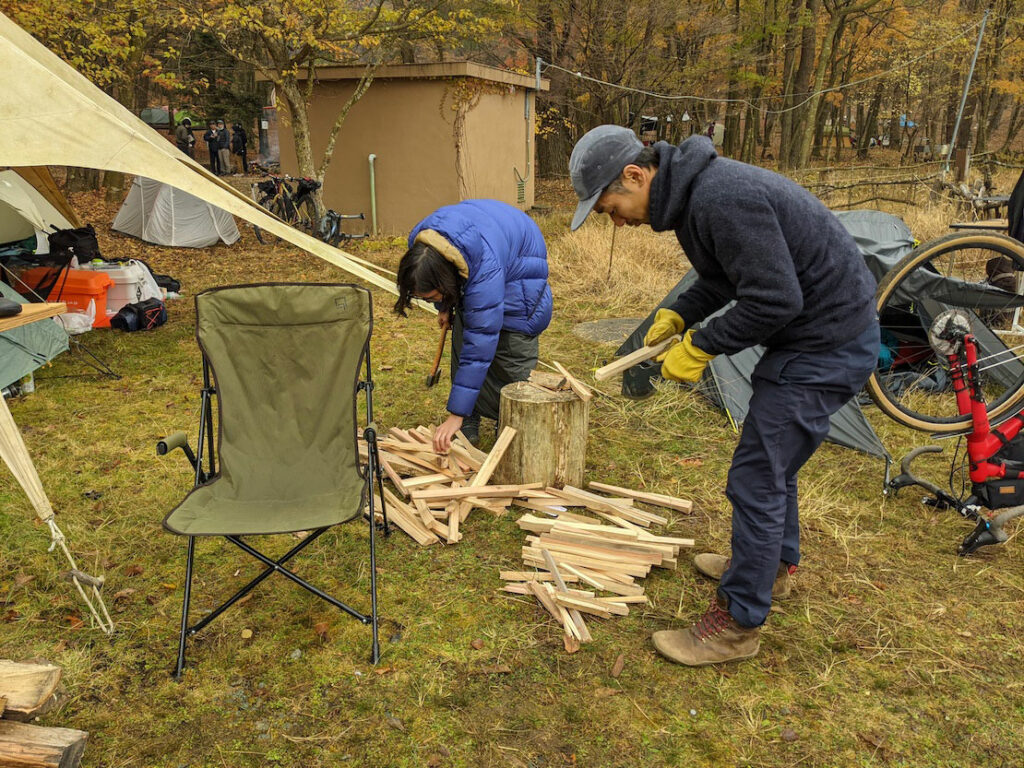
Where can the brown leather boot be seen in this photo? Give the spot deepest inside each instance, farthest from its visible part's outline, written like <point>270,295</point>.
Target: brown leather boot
<point>715,638</point>
<point>713,566</point>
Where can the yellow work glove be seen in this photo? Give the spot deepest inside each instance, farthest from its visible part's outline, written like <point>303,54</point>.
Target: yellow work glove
<point>685,361</point>
<point>666,323</point>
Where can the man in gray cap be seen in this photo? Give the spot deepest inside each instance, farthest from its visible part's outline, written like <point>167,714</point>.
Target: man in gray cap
<point>800,288</point>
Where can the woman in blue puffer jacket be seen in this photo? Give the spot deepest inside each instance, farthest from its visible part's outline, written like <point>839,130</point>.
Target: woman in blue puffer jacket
<point>485,266</point>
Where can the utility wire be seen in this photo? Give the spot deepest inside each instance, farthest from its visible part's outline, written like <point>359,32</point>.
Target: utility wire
<point>678,97</point>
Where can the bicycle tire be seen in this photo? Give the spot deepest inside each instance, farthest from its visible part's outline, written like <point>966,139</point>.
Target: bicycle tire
<point>976,247</point>
<point>265,237</point>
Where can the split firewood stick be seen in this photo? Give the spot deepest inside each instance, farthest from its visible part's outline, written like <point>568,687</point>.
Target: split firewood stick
<point>551,511</point>
<point>634,358</point>
<point>610,577</point>
<point>407,523</point>
<point>592,502</point>
<point>548,380</point>
<point>425,480</point>
<point>422,434</point>
<point>611,558</point>
<point>666,551</point>
<point>517,588</point>
<point>671,540</point>
<point>616,507</point>
<point>579,575</point>
<point>540,496</point>
<point>577,619</point>
<point>465,456</point>
<point>400,486</point>
<point>454,519</point>
<point>583,606</point>
<point>532,576</point>
<point>467,491</point>
<point>533,557</point>
<point>574,384</point>
<point>611,532</point>
<point>567,622</point>
<point>424,512</point>
<point>545,599</point>
<point>469,448</point>
<point>629,599</point>
<point>491,462</point>
<point>410,446</point>
<point>658,499</point>
<point>399,464</point>
<point>608,585</point>
<point>430,465</point>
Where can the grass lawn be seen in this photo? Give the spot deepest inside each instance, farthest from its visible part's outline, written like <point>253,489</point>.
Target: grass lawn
<point>891,651</point>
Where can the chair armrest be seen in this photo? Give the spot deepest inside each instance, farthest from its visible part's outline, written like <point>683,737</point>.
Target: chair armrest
<point>174,440</point>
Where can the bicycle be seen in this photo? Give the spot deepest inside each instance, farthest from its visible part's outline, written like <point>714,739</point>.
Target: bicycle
<point>330,231</point>
<point>295,206</point>
<point>995,455</point>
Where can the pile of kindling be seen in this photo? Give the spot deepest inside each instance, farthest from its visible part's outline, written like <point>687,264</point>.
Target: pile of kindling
<point>434,493</point>
<point>601,556</point>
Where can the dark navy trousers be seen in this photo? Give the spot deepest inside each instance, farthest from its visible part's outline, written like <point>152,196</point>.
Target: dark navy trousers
<point>794,395</point>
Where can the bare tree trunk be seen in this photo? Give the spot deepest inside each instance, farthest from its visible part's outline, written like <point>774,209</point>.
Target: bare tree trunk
<point>796,115</point>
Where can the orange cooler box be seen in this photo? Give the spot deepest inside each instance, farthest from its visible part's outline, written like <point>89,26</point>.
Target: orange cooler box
<point>76,289</point>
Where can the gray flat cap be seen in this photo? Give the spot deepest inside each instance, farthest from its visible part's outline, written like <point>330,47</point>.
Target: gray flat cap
<point>597,160</point>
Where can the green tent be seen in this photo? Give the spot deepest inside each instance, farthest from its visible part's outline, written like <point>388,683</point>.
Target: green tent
<point>24,349</point>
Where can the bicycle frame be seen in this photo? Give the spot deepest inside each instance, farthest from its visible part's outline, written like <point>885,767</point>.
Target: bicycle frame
<point>984,443</point>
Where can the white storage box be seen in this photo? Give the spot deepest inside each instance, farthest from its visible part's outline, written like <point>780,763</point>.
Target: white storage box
<point>132,283</point>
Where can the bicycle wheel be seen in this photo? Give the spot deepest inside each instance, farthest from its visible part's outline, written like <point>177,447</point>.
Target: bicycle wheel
<point>980,273</point>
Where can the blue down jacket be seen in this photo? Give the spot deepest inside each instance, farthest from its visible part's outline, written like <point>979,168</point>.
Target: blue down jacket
<point>500,254</point>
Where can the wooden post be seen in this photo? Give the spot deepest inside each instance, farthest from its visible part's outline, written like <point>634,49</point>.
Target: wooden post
<point>550,445</point>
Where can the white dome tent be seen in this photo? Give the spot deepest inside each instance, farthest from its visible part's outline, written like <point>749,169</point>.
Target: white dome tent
<point>162,214</point>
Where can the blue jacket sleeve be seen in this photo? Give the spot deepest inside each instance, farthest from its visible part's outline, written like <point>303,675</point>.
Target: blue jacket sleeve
<point>482,315</point>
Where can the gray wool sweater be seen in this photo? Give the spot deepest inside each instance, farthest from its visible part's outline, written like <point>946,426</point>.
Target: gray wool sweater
<point>761,240</point>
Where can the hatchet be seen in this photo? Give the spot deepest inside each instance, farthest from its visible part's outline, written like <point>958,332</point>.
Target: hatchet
<point>435,373</point>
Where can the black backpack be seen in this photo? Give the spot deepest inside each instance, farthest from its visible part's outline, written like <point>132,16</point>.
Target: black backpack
<point>141,316</point>
<point>81,242</point>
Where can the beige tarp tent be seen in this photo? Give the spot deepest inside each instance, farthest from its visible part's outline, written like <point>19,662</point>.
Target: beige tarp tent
<point>52,115</point>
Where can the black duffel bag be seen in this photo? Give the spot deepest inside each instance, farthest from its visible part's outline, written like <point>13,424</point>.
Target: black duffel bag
<point>141,316</point>
<point>81,242</point>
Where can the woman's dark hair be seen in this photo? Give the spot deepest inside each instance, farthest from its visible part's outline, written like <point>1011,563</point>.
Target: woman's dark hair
<point>422,270</point>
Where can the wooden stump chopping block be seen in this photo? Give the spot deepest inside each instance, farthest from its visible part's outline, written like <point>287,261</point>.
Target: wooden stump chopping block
<point>550,445</point>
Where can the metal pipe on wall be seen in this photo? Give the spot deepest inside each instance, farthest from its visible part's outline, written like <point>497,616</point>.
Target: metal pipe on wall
<point>373,194</point>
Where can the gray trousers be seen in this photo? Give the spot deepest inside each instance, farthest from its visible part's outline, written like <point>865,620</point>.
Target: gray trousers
<point>225,160</point>
<point>514,358</point>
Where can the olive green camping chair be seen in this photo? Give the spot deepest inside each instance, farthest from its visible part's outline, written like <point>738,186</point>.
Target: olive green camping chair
<point>283,361</point>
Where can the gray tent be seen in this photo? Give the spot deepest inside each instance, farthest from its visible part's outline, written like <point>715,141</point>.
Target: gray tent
<point>162,214</point>
<point>884,240</point>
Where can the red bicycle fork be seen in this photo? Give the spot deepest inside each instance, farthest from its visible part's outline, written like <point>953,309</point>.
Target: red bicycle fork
<point>984,441</point>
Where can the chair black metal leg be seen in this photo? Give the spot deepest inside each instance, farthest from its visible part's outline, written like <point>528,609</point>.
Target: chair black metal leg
<point>383,504</point>
<point>252,584</point>
<point>375,647</point>
<point>298,580</point>
<point>184,609</point>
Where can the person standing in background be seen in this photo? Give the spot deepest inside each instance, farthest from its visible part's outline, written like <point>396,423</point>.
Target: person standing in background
<point>225,148</point>
<point>184,139</point>
<point>240,145</point>
<point>212,139</point>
